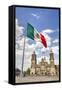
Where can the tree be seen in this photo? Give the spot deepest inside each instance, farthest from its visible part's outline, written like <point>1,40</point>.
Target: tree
<point>28,71</point>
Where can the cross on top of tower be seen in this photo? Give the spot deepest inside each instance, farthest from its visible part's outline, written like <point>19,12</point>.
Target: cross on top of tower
<point>51,51</point>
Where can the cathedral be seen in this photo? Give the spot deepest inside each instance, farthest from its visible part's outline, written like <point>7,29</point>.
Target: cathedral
<point>43,67</point>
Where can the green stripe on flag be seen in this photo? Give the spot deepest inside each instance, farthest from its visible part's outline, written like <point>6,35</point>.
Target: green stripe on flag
<point>30,31</point>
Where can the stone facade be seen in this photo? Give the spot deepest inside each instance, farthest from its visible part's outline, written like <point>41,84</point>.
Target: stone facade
<point>44,68</point>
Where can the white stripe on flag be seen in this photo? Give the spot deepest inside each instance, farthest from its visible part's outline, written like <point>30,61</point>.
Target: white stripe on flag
<point>37,35</point>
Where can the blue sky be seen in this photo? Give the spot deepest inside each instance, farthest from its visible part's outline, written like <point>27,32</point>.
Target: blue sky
<point>45,21</point>
<point>40,19</point>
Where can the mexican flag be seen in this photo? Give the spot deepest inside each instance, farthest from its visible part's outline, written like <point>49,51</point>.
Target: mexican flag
<point>35,35</point>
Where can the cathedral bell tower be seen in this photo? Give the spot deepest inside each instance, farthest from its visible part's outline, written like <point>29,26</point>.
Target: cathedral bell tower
<point>51,57</point>
<point>33,60</point>
<point>33,64</point>
<point>52,65</point>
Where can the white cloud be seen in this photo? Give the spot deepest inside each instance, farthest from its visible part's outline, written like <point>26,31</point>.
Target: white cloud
<point>56,41</point>
<point>38,44</point>
<point>16,20</point>
<point>19,30</point>
<point>35,15</point>
<point>45,49</point>
<point>19,34</point>
<point>48,31</point>
<point>55,49</point>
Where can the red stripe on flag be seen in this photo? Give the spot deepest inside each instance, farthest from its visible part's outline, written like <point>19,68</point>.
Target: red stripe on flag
<point>43,40</point>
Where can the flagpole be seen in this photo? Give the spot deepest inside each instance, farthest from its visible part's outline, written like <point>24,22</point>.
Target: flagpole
<point>23,55</point>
